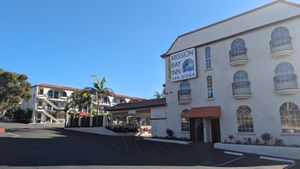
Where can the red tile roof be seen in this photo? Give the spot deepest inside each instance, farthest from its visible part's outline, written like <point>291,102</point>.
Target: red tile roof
<point>138,105</point>
<point>57,87</point>
<point>74,89</point>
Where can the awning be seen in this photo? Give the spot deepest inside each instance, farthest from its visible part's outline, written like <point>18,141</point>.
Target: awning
<point>202,112</point>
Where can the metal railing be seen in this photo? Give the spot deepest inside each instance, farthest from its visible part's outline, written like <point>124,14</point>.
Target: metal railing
<point>284,82</point>
<point>241,88</point>
<point>238,54</point>
<point>281,44</point>
<point>184,95</point>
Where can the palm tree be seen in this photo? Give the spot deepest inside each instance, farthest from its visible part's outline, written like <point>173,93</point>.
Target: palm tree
<point>158,95</point>
<point>99,91</point>
<point>78,98</point>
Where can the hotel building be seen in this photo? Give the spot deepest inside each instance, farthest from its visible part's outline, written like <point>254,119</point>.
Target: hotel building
<point>49,101</point>
<point>237,77</point>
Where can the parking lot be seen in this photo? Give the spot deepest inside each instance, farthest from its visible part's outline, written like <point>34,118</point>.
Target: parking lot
<point>40,147</point>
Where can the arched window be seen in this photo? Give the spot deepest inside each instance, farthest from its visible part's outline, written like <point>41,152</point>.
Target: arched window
<point>280,39</point>
<point>244,119</point>
<point>290,118</point>
<point>208,57</point>
<point>241,84</point>
<point>240,76</point>
<point>184,93</point>
<point>284,68</point>
<point>210,93</point>
<point>50,93</point>
<point>285,79</point>
<point>185,85</point>
<point>188,65</point>
<point>185,121</point>
<point>238,48</point>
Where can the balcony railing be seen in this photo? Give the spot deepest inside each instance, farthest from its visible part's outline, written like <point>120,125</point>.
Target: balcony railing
<point>281,47</point>
<point>238,57</point>
<point>286,84</point>
<point>184,96</point>
<point>241,89</point>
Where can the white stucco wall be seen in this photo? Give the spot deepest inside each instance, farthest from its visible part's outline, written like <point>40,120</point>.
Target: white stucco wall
<point>264,102</point>
<point>159,121</point>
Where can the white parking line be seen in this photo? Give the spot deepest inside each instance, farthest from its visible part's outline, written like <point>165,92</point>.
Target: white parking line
<point>291,162</point>
<point>228,162</point>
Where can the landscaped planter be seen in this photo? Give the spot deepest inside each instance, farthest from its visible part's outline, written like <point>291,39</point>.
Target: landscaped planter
<point>275,151</point>
<point>168,141</point>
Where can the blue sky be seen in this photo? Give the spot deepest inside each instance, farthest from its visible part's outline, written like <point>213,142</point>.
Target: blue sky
<point>63,42</point>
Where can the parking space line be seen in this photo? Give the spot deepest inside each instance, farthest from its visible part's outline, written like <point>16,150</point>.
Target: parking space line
<point>228,162</point>
<point>291,162</point>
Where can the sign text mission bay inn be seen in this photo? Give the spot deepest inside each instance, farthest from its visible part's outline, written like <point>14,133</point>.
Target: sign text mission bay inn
<point>183,65</point>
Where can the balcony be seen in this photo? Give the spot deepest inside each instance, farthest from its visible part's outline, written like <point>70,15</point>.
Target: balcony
<point>282,47</point>
<point>241,90</point>
<point>184,96</point>
<point>238,57</point>
<point>286,84</point>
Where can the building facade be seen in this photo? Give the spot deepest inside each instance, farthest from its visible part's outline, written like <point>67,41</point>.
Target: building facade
<point>49,101</point>
<point>237,77</point>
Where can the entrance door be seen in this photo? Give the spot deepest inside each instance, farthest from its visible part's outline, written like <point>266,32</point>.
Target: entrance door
<point>196,130</point>
<point>215,130</point>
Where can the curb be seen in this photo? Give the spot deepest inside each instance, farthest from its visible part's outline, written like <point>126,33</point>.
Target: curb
<point>233,153</point>
<point>277,159</point>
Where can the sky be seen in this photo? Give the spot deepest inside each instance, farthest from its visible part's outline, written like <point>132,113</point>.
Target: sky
<point>64,42</point>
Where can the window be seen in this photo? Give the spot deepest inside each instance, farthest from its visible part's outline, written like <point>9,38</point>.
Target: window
<point>208,58</point>
<point>285,78</point>
<point>290,118</point>
<point>240,76</point>
<point>185,121</point>
<point>55,94</point>
<point>185,87</point>
<point>244,119</point>
<point>238,48</point>
<point>241,84</point>
<point>41,91</point>
<point>64,94</point>
<point>280,40</point>
<point>184,93</point>
<point>210,93</point>
<point>50,93</point>
<point>284,68</point>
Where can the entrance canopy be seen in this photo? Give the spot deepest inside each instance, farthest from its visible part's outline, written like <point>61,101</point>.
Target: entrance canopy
<point>202,112</point>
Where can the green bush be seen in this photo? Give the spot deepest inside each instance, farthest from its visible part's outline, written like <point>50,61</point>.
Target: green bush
<point>21,115</point>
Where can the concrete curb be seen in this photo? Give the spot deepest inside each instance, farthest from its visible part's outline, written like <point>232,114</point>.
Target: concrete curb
<point>168,141</point>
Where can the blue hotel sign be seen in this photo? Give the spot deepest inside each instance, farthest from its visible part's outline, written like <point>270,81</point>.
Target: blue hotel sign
<point>183,65</point>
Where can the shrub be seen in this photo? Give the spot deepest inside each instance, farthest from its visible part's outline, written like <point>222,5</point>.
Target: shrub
<point>266,137</point>
<point>238,142</point>
<point>170,133</point>
<point>230,137</point>
<point>278,142</point>
<point>257,141</point>
<point>248,140</point>
<point>21,115</point>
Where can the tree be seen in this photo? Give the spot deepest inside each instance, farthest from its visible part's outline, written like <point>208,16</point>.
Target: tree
<point>158,95</point>
<point>14,88</point>
<point>78,98</point>
<point>99,91</point>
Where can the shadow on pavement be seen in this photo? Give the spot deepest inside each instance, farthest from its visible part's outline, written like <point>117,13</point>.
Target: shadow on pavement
<point>57,147</point>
